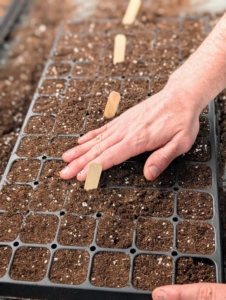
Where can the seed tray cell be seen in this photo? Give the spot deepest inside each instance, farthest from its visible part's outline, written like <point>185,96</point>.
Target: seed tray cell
<point>130,235</point>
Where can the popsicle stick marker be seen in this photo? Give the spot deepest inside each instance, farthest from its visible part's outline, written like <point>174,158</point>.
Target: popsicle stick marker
<point>112,105</point>
<point>119,49</point>
<point>93,176</point>
<point>131,12</point>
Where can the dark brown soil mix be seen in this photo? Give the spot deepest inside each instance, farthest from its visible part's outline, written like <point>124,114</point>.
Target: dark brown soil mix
<point>131,174</point>
<point>33,146</point>
<point>134,89</point>
<point>154,235</point>
<point>125,104</point>
<point>164,68</point>
<point>48,197</point>
<point>204,129</point>
<point>61,144</point>
<point>105,86</point>
<point>51,172</point>
<point>24,171</point>
<point>10,226</point>
<point>200,151</point>
<point>5,255</point>
<point>94,121</point>
<point>69,266</point>
<point>116,267</point>
<point>195,205</point>
<point>83,69</point>
<point>39,229</point>
<point>58,70</point>
<point>76,230</point>
<point>202,173</point>
<point>79,87</point>
<point>167,39</point>
<point>194,270</point>
<point>194,25</point>
<point>14,198</point>
<point>30,264</point>
<point>115,232</point>
<point>40,125</point>
<point>52,87</point>
<point>157,84</point>
<point>47,105</point>
<point>195,238</point>
<point>151,271</point>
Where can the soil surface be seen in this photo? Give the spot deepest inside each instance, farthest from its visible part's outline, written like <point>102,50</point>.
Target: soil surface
<point>24,171</point>
<point>151,271</point>
<point>116,269</point>
<point>69,266</point>
<point>194,270</point>
<point>10,226</point>
<point>5,255</point>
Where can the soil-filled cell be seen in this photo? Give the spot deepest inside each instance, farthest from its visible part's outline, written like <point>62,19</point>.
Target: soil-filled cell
<point>151,271</point>
<point>69,266</point>
<point>47,105</point>
<point>39,229</point>
<point>115,232</point>
<point>95,121</point>
<point>195,205</point>
<point>167,39</point>
<point>103,87</point>
<point>85,69</point>
<point>200,151</point>
<point>194,270</point>
<point>164,68</point>
<point>110,269</point>
<point>24,171</point>
<point>55,86</point>
<point>80,87</point>
<point>58,70</point>
<point>133,89</point>
<point>195,176</point>
<point>164,54</point>
<point>10,226</point>
<point>48,197</point>
<point>195,238</point>
<point>40,125</point>
<point>76,230</point>
<point>194,25</point>
<point>15,198</point>
<point>204,129</point>
<point>33,146</point>
<point>131,174</point>
<point>154,235</point>
<point>30,264</point>
<point>5,255</point>
<point>51,171</point>
<point>125,104</point>
<point>59,145</point>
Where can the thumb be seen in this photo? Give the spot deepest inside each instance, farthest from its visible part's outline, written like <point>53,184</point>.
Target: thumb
<point>196,291</point>
<point>159,160</point>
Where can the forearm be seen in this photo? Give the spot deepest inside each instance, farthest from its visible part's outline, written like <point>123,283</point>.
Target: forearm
<point>203,76</point>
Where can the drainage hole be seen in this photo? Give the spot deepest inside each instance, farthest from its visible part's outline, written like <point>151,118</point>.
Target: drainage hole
<point>174,253</point>
<point>132,251</point>
<point>53,246</point>
<point>175,219</point>
<point>15,244</point>
<point>36,183</point>
<point>92,248</point>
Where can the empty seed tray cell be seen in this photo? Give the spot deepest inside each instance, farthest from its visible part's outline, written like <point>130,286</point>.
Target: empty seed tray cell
<point>58,241</point>
<point>9,12</point>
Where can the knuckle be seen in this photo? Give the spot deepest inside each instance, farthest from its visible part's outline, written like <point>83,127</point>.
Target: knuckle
<point>97,150</point>
<point>99,138</point>
<point>205,292</point>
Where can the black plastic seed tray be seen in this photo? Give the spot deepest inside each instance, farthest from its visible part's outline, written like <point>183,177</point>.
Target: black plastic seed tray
<point>42,254</point>
<point>10,10</point>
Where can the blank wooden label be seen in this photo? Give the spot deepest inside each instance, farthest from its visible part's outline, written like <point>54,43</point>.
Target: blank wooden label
<point>119,49</point>
<point>93,176</point>
<point>131,12</point>
<point>112,105</point>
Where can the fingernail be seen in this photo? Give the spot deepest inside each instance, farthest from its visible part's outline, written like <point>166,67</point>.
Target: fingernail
<point>154,171</point>
<point>64,171</point>
<point>161,295</point>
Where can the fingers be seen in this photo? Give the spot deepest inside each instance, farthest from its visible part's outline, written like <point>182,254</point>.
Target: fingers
<point>108,158</point>
<point>92,134</point>
<point>97,151</point>
<point>197,291</point>
<point>159,160</point>
<point>80,150</point>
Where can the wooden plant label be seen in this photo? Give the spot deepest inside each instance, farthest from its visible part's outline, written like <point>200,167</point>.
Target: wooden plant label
<point>112,105</point>
<point>93,176</point>
<point>119,49</point>
<point>131,12</point>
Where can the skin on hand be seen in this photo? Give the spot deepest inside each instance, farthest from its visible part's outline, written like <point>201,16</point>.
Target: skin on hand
<point>165,123</point>
<point>197,291</point>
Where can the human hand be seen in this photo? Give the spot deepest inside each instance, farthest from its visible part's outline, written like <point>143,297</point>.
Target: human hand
<point>196,291</point>
<point>168,123</point>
